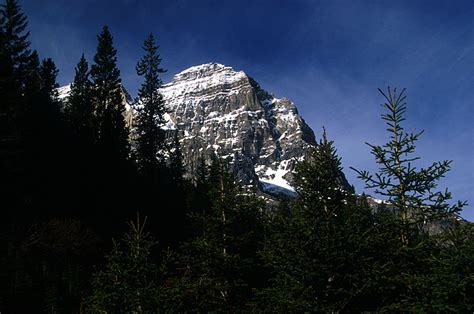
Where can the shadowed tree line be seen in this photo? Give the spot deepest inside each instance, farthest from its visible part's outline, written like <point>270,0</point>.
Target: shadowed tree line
<point>73,173</point>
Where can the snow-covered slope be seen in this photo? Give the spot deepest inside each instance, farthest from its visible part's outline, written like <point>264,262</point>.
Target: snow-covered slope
<point>64,91</point>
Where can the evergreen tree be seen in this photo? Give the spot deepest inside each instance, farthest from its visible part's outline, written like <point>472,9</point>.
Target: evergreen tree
<point>201,201</point>
<point>111,168</point>
<point>47,107</point>
<point>217,267</point>
<point>409,189</point>
<point>450,287</point>
<point>79,110</point>
<point>222,192</point>
<point>30,131</point>
<point>50,136</point>
<point>49,73</point>
<point>31,87</point>
<point>317,251</point>
<point>156,179</point>
<point>318,182</point>
<point>405,253</point>
<point>49,92</point>
<point>81,133</point>
<point>15,175</point>
<point>13,43</point>
<point>178,189</point>
<point>150,109</point>
<point>14,48</point>
<point>176,166</point>
<point>112,134</point>
<point>129,282</point>
<point>15,69</point>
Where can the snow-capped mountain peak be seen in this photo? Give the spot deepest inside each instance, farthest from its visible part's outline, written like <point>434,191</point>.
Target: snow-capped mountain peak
<point>217,109</point>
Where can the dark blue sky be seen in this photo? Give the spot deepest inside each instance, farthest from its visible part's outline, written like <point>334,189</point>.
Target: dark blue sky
<point>329,57</point>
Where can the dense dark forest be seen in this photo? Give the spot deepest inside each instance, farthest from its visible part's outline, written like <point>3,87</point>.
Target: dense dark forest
<point>99,216</point>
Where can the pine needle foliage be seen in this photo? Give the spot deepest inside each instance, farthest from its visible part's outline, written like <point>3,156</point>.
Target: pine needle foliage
<point>150,137</point>
<point>409,189</point>
<point>128,283</point>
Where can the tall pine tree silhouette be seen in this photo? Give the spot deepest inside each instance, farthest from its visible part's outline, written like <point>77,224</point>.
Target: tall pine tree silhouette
<point>112,136</point>
<point>14,49</point>
<point>79,115</point>
<point>14,175</point>
<point>111,140</point>
<point>79,110</point>
<point>49,92</point>
<point>150,110</point>
<point>13,56</point>
<point>150,146</point>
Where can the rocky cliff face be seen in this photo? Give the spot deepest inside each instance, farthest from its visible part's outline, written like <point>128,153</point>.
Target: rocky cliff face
<point>216,109</point>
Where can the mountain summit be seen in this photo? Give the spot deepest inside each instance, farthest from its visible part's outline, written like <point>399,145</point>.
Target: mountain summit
<point>216,109</point>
